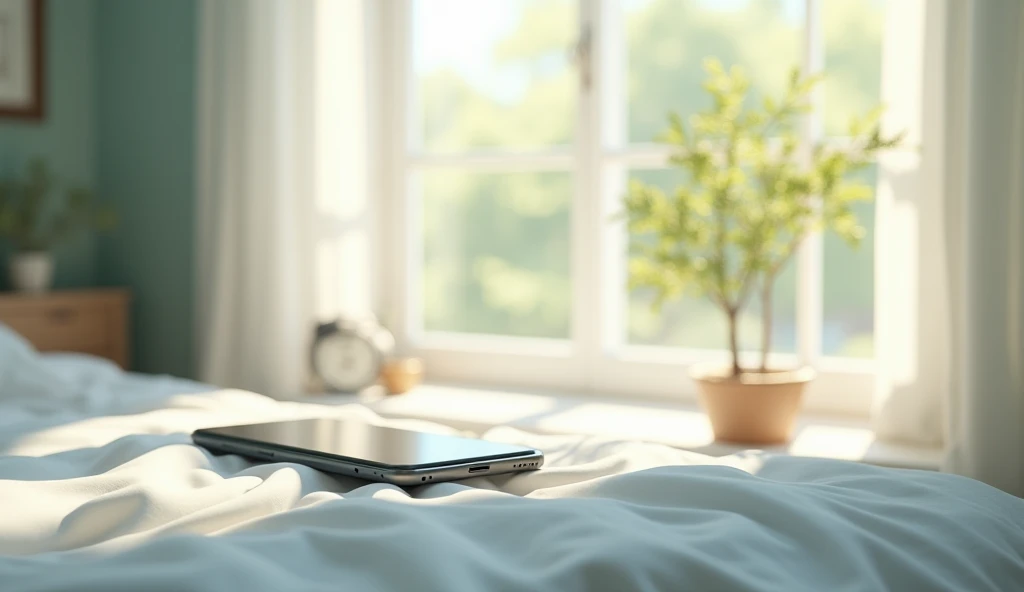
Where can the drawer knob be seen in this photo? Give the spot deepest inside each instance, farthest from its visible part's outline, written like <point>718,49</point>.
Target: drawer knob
<point>61,315</point>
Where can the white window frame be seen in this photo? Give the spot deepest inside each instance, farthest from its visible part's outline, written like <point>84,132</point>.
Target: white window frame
<point>594,358</point>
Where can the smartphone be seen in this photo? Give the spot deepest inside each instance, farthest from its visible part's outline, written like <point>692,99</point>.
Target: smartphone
<point>375,453</point>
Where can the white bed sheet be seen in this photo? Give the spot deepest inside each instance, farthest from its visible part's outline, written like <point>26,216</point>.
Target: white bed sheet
<point>100,488</point>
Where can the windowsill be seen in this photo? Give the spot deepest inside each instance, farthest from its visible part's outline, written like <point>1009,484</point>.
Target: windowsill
<point>681,425</point>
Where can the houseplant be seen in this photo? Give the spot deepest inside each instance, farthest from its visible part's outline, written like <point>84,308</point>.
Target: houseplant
<point>754,194</point>
<point>35,216</point>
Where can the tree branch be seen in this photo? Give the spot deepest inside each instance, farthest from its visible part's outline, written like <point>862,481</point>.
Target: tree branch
<point>746,286</point>
<point>777,116</point>
<point>789,252</point>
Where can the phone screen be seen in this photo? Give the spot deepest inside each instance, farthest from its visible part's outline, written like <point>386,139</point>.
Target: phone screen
<point>359,441</point>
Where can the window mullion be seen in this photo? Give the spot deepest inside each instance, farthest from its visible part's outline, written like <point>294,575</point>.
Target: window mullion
<point>587,297</point>
<point>397,241</point>
<point>613,156</point>
<point>498,160</point>
<point>809,304</point>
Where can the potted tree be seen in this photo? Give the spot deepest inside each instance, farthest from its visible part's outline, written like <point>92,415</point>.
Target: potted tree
<point>34,217</point>
<point>754,194</point>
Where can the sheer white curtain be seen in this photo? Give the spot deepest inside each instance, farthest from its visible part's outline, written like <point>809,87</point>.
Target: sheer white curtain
<point>950,324</point>
<point>255,175</point>
<point>282,223</point>
<point>986,418</point>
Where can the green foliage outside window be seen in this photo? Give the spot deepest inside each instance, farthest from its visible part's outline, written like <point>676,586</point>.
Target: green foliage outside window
<point>472,221</point>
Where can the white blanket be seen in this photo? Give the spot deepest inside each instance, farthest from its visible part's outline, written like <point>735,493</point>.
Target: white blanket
<point>101,488</point>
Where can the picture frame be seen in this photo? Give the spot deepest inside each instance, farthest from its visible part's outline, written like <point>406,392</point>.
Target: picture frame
<point>22,59</point>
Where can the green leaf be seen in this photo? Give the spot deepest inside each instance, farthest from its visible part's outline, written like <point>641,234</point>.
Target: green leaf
<point>794,79</point>
<point>713,66</point>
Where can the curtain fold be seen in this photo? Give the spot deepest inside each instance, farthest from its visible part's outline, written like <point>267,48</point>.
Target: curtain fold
<point>255,183</point>
<point>951,266</point>
<point>985,433</point>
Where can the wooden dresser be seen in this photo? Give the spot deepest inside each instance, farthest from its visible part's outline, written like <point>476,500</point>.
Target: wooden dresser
<point>87,321</point>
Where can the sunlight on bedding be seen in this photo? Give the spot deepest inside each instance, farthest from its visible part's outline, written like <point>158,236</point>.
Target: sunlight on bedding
<point>686,428</point>
<point>832,442</point>
<point>459,405</point>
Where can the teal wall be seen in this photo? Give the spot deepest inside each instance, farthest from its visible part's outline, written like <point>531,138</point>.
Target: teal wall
<point>120,118</point>
<point>66,136</point>
<point>146,56</point>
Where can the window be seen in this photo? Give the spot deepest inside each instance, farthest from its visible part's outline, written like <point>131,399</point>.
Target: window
<point>512,143</point>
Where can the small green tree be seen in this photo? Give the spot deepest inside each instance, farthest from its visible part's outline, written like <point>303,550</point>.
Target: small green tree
<point>754,194</point>
<point>34,216</point>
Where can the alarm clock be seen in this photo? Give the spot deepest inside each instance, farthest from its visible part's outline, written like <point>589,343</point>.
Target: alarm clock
<point>348,353</point>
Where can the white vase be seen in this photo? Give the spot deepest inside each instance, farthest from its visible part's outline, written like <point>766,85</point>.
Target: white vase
<point>31,272</point>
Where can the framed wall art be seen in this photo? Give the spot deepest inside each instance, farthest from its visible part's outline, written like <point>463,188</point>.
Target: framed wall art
<point>21,59</point>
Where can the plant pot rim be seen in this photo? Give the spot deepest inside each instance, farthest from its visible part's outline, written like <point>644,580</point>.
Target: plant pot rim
<point>403,365</point>
<point>719,373</point>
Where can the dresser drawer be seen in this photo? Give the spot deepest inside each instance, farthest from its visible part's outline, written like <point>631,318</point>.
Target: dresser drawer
<point>63,326</point>
<point>87,321</point>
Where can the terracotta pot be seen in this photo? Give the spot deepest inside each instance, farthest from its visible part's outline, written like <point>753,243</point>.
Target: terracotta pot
<point>401,375</point>
<point>754,408</point>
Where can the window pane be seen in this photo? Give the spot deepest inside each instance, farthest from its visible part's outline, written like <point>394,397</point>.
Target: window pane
<point>496,253</point>
<point>667,41</point>
<point>849,284</point>
<point>853,60</point>
<point>494,73</point>
<point>695,322</point>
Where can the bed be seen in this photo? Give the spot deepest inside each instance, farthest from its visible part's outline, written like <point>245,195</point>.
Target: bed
<point>101,488</point>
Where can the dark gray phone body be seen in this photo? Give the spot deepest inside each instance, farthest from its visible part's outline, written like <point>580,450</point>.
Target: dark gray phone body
<point>375,453</point>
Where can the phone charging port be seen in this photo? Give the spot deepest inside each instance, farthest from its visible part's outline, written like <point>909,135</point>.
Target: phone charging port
<point>480,469</point>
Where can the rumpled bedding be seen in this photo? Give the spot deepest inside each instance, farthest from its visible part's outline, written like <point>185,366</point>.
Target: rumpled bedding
<point>102,489</point>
